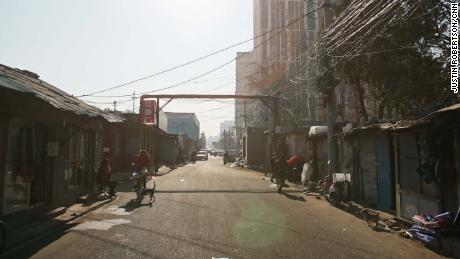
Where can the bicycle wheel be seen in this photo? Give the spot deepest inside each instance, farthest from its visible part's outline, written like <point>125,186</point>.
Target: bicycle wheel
<point>2,236</point>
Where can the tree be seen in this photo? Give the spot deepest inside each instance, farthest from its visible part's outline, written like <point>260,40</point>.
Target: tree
<point>407,66</point>
<point>269,75</point>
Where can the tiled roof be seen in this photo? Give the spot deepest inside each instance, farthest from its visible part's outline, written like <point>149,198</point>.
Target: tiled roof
<point>27,82</point>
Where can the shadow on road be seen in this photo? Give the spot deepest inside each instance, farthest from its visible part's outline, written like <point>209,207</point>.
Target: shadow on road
<point>294,197</point>
<point>40,242</point>
<point>222,191</point>
<point>132,205</point>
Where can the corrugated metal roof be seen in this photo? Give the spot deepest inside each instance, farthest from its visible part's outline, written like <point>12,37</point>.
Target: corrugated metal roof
<point>449,108</point>
<point>383,126</point>
<point>28,82</point>
<point>437,115</point>
<point>11,84</point>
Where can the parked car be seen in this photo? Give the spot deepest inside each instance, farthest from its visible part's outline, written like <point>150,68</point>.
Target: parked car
<point>202,155</point>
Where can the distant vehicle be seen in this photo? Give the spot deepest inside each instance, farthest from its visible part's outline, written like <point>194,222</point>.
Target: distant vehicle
<point>202,155</point>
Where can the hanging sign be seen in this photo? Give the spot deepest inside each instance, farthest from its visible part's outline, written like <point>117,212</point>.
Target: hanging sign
<point>148,112</point>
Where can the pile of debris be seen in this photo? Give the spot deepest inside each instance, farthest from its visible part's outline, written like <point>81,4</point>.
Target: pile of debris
<point>430,229</point>
<point>240,163</point>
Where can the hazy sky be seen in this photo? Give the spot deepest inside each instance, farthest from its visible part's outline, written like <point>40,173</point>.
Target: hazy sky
<point>87,45</point>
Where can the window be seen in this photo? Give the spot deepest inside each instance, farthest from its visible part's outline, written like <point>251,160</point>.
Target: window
<point>311,23</point>
<point>76,159</point>
<point>18,168</point>
<point>25,166</point>
<point>264,14</point>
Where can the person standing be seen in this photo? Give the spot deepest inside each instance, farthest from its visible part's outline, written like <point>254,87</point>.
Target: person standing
<point>307,171</point>
<point>104,176</point>
<point>103,173</point>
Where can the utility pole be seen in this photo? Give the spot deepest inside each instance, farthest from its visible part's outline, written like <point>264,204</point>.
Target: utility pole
<point>114,106</point>
<point>331,120</point>
<point>244,111</point>
<point>327,84</point>
<point>275,109</point>
<point>134,99</point>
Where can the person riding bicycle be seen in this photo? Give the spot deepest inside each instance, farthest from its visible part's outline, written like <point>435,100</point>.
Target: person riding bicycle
<point>141,163</point>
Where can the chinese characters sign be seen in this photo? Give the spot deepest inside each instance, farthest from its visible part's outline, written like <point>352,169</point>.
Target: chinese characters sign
<point>148,112</point>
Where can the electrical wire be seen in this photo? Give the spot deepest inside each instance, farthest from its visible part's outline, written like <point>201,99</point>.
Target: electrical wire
<point>197,59</point>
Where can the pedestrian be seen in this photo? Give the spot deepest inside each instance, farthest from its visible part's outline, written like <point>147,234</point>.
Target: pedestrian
<point>281,170</point>
<point>307,171</point>
<point>271,167</point>
<point>226,160</point>
<point>103,173</point>
<point>104,176</point>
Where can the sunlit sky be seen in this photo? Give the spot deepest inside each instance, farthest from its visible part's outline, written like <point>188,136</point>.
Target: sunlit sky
<point>88,45</point>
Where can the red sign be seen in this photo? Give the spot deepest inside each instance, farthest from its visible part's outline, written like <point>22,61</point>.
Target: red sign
<point>148,112</point>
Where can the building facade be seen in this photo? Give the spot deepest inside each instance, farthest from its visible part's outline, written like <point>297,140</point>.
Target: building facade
<point>180,122</point>
<point>51,143</point>
<point>280,35</point>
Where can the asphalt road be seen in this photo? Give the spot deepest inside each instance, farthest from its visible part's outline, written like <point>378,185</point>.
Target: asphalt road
<point>209,210</point>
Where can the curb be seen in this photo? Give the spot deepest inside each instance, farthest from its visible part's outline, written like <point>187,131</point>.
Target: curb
<point>17,247</point>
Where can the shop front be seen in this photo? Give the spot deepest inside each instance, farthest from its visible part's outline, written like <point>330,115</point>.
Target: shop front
<point>426,178</point>
<point>25,167</point>
<point>50,143</point>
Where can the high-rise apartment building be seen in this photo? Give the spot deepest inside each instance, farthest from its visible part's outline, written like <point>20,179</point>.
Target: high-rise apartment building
<point>279,31</point>
<point>227,126</point>
<point>280,22</point>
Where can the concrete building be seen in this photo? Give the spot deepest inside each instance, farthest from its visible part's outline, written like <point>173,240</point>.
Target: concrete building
<point>52,143</point>
<point>279,31</point>
<point>211,140</point>
<point>227,135</point>
<point>181,122</point>
<point>245,110</point>
<point>202,141</point>
<point>282,34</point>
<point>227,126</point>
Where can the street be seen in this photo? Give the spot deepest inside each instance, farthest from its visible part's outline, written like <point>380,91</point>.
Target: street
<point>207,210</point>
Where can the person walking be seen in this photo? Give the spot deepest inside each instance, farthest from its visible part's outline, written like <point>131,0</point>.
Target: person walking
<point>271,167</point>
<point>280,171</point>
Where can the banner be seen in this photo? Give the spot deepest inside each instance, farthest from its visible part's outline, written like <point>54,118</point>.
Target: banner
<point>148,112</point>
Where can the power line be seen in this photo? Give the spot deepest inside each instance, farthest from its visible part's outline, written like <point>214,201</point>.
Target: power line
<point>215,109</point>
<point>197,59</point>
<point>238,79</point>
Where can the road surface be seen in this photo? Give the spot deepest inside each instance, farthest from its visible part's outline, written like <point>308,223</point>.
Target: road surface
<point>207,210</point>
